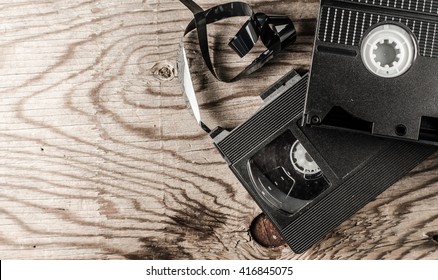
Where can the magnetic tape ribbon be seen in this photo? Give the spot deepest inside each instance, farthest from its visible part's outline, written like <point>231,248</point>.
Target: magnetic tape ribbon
<point>276,33</point>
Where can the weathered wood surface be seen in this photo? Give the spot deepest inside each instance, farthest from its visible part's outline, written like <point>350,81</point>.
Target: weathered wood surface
<point>99,158</point>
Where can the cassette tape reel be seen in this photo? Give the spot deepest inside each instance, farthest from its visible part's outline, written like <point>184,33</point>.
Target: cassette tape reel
<point>388,50</point>
<point>374,68</point>
<point>285,175</point>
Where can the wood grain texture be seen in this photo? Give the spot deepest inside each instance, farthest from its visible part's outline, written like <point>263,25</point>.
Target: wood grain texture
<point>99,158</point>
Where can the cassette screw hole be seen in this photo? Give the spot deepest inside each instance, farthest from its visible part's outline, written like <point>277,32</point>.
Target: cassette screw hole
<point>315,120</point>
<point>400,130</point>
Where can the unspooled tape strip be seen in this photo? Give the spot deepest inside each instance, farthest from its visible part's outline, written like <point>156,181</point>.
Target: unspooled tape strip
<point>276,33</point>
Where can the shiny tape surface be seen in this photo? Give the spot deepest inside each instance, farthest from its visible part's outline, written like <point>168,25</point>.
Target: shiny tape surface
<point>276,33</point>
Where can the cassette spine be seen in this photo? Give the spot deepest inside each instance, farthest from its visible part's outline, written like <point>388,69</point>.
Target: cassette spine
<point>270,119</point>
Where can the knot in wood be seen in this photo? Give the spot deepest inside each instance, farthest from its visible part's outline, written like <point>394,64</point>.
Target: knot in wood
<point>163,71</point>
<point>264,233</point>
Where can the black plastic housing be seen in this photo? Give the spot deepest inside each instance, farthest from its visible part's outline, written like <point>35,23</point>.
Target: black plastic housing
<point>356,167</point>
<point>342,93</point>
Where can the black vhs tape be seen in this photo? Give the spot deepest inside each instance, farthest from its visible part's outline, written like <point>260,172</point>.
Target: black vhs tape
<point>307,180</point>
<point>374,69</point>
<point>310,180</point>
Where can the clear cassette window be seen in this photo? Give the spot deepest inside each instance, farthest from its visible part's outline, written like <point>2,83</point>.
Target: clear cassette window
<point>285,175</point>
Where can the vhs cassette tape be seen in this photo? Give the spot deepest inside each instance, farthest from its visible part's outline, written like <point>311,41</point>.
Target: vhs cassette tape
<point>308,180</point>
<point>374,68</point>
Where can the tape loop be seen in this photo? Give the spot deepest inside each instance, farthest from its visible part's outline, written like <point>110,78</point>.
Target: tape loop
<point>276,33</point>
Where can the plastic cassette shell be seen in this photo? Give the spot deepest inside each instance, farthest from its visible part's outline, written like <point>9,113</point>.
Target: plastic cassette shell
<point>358,167</point>
<point>403,107</point>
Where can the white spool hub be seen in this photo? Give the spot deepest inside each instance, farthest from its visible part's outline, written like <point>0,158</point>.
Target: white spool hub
<point>388,51</point>
<point>302,161</point>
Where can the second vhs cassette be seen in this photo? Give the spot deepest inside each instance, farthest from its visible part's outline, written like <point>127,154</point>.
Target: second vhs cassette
<point>374,68</point>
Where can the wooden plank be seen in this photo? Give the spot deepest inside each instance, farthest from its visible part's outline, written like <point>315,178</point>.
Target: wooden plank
<point>99,159</point>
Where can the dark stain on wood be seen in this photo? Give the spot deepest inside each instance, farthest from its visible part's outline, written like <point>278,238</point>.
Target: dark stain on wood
<point>197,221</point>
<point>158,249</point>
